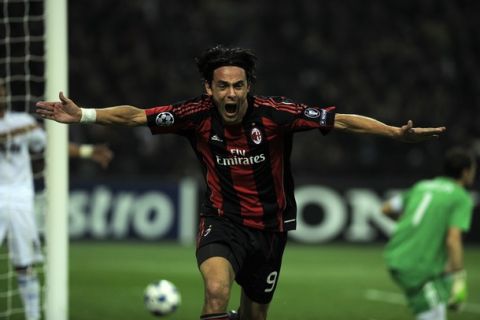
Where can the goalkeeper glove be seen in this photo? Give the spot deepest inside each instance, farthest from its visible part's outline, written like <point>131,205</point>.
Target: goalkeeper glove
<point>458,290</point>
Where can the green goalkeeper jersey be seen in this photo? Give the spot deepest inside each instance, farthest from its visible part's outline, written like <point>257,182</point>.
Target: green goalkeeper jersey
<point>429,209</point>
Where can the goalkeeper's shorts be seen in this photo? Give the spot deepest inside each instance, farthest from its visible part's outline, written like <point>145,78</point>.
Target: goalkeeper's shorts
<point>426,296</point>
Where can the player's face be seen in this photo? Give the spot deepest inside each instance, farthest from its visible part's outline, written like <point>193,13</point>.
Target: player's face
<point>229,90</point>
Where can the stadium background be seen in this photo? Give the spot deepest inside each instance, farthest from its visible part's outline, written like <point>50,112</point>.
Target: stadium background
<point>393,61</point>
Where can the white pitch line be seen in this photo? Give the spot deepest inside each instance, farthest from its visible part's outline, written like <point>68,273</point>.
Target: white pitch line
<point>397,298</point>
<point>383,296</point>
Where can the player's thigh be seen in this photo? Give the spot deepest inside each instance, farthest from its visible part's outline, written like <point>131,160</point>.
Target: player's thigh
<point>24,243</point>
<point>252,310</point>
<point>214,262</point>
<point>3,232</point>
<point>3,223</point>
<point>218,276</point>
<point>5,214</point>
<point>217,268</point>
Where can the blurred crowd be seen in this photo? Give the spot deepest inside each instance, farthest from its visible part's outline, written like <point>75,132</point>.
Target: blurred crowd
<point>392,60</point>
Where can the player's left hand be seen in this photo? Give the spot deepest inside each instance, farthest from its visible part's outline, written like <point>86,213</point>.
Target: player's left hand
<point>458,292</point>
<point>102,154</point>
<point>411,135</point>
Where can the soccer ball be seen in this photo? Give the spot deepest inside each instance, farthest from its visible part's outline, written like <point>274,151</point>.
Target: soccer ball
<point>162,298</point>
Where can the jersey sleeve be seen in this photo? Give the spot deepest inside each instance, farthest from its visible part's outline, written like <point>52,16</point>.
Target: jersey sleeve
<point>177,118</point>
<point>462,213</point>
<point>296,117</point>
<point>314,117</point>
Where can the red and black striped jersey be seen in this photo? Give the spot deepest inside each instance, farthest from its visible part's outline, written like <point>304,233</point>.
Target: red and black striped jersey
<point>246,166</point>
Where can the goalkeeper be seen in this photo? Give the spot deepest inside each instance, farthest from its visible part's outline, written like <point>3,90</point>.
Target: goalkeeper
<point>425,253</point>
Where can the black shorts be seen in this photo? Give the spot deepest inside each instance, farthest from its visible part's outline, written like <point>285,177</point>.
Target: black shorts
<point>255,255</point>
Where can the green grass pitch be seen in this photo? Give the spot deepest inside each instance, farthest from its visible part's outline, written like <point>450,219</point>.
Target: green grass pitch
<point>317,282</point>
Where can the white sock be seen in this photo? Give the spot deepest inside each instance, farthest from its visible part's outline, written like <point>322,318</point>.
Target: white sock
<point>439,312</point>
<point>29,288</point>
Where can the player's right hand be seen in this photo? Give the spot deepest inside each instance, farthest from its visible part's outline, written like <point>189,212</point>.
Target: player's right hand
<point>64,111</point>
<point>458,291</point>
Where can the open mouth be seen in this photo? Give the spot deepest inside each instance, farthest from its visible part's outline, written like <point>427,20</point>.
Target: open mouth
<point>231,108</point>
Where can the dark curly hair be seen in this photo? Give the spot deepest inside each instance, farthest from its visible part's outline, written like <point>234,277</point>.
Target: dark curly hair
<point>220,56</point>
<point>456,160</point>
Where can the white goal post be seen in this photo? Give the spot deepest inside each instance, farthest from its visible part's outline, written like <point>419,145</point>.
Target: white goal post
<point>56,228</point>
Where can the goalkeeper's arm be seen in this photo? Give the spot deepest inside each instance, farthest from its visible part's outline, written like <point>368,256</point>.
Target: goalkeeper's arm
<point>458,292</point>
<point>393,207</point>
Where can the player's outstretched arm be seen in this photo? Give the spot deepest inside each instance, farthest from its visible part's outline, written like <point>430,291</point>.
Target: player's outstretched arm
<point>406,133</point>
<point>67,111</point>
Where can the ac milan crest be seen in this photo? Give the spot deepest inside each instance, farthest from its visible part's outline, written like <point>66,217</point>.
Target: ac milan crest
<point>256,136</point>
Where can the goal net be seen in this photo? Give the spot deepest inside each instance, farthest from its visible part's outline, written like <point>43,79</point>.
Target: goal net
<point>22,59</point>
<point>22,74</point>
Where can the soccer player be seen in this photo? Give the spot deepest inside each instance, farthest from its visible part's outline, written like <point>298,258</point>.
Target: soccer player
<point>425,253</point>
<point>20,135</point>
<point>243,143</point>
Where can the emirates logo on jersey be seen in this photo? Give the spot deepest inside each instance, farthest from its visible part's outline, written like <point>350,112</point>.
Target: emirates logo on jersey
<point>239,157</point>
<point>256,136</point>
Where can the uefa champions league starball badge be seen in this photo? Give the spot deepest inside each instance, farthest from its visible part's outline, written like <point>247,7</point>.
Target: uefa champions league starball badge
<point>164,119</point>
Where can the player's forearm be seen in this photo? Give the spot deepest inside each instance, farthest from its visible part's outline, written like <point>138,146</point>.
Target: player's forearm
<point>121,115</point>
<point>80,150</point>
<point>455,251</point>
<point>361,124</point>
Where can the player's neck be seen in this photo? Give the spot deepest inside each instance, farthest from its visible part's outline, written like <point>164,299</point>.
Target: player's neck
<point>463,182</point>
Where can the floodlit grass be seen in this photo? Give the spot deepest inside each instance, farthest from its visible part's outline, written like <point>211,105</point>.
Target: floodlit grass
<point>316,282</point>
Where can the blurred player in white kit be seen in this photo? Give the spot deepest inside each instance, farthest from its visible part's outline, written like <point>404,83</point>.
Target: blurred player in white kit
<point>21,135</point>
